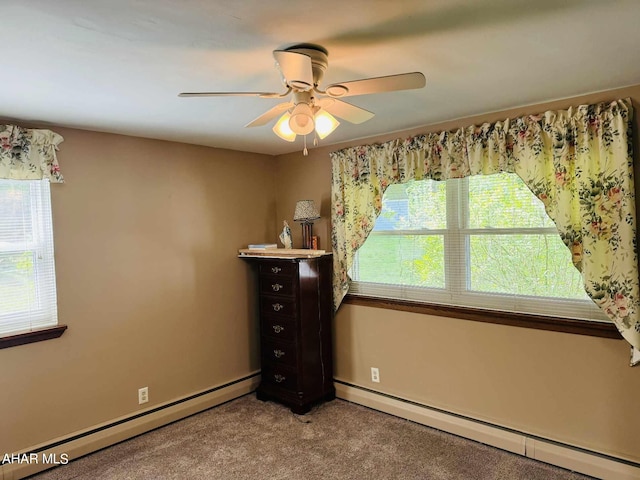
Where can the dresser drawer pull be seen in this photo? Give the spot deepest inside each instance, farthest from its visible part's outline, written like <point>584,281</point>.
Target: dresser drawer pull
<point>278,328</point>
<point>277,307</point>
<point>276,269</point>
<point>279,378</point>
<point>276,287</point>
<point>278,353</point>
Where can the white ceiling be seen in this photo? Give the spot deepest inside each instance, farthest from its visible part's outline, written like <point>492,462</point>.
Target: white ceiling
<point>118,65</point>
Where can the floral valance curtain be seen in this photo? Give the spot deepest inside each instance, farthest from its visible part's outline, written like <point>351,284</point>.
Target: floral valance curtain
<point>577,161</point>
<point>29,154</point>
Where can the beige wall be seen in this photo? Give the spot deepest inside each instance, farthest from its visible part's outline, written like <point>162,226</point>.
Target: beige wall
<point>146,235</point>
<point>154,295</point>
<point>570,388</point>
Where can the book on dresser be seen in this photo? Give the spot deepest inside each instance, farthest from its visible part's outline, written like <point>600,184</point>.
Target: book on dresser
<point>295,310</point>
<point>261,246</point>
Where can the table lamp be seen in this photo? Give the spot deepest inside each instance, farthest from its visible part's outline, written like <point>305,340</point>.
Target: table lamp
<point>306,213</point>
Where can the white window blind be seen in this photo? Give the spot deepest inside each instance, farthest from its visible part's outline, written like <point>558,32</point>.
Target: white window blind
<point>481,241</point>
<point>27,271</point>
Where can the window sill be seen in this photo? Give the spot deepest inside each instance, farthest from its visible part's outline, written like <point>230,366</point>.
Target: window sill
<point>32,337</point>
<point>540,322</point>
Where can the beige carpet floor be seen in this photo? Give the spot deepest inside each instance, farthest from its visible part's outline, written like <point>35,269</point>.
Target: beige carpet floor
<point>250,439</point>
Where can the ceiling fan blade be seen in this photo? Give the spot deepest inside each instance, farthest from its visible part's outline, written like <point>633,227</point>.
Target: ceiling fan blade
<point>345,110</point>
<point>231,94</point>
<point>270,114</point>
<point>296,68</point>
<point>402,81</point>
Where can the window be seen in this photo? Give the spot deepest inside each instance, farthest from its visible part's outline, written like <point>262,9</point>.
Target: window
<point>480,241</point>
<point>27,274</point>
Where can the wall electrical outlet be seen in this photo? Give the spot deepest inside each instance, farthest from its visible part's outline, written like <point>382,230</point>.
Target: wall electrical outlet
<point>143,395</point>
<point>375,375</point>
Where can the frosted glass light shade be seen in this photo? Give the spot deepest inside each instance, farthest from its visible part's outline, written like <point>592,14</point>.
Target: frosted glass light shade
<point>325,123</point>
<point>305,211</point>
<point>301,121</point>
<point>282,129</point>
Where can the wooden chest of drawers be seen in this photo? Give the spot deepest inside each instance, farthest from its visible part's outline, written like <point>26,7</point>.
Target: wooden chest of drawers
<point>295,304</point>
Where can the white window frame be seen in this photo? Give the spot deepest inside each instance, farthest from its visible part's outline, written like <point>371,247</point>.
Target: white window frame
<point>43,312</point>
<point>457,290</point>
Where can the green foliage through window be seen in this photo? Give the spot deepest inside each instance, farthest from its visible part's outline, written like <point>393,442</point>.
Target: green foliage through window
<point>27,270</point>
<point>482,234</point>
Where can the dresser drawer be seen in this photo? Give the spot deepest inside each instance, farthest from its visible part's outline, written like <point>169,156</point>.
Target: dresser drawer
<point>277,285</point>
<point>278,268</point>
<point>280,376</point>
<point>278,328</point>
<point>285,307</point>
<point>278,352</point>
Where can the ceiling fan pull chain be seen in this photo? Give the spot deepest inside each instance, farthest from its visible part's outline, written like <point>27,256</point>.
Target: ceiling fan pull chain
<point>315,138</point>
<point>305,152</point>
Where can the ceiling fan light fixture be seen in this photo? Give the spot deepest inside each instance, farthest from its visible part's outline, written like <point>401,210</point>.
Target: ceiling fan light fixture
<point>302,67</point>
<point>282,129</point>
<point>325,123</point>
<point>301,121</point>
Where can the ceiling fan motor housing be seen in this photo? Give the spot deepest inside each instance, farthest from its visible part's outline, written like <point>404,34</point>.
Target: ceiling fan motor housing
<point>319,59</point>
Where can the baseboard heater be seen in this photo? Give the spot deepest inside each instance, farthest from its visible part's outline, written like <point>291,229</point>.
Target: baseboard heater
<point>87,441</point>
<point>549,451</point>
<point>71,447</point>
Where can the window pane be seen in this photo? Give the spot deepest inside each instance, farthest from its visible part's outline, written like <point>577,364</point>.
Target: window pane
<point>27,270</point>
<point>502,251</point>
<point>15,213</point>
<point>414,206</point>
<point>504,201</point>
<point>537,265</point>
<point>17,282</point>
<point>402,260</point>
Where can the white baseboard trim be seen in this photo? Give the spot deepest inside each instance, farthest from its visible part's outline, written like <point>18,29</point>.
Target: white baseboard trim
<point>554,453</point>
<point>89,440</point>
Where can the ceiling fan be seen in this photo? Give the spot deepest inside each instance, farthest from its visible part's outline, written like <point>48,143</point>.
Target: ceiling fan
<point>311,109</point>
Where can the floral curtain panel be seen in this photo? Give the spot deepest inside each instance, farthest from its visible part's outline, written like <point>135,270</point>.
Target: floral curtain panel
<point>28,154</point>
<point>577,161</point>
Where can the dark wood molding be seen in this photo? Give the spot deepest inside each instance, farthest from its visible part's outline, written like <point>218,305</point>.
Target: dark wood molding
<point>540,322</point>
<point>32,337</point>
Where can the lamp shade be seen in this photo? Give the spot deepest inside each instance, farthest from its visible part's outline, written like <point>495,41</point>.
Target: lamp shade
<point>282,129</point>
<point>305,211</point>
<point>325,123</point>
<point>301,121</point>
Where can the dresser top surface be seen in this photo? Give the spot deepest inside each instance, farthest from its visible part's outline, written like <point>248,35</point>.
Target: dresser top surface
<point>281,253</point>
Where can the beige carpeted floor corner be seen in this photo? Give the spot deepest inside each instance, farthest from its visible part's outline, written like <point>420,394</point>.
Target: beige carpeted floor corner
<point>250,439</point>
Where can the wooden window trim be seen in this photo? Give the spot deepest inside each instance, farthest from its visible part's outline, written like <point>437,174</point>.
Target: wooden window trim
<point>525,320</point>
<point>32,337</point>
